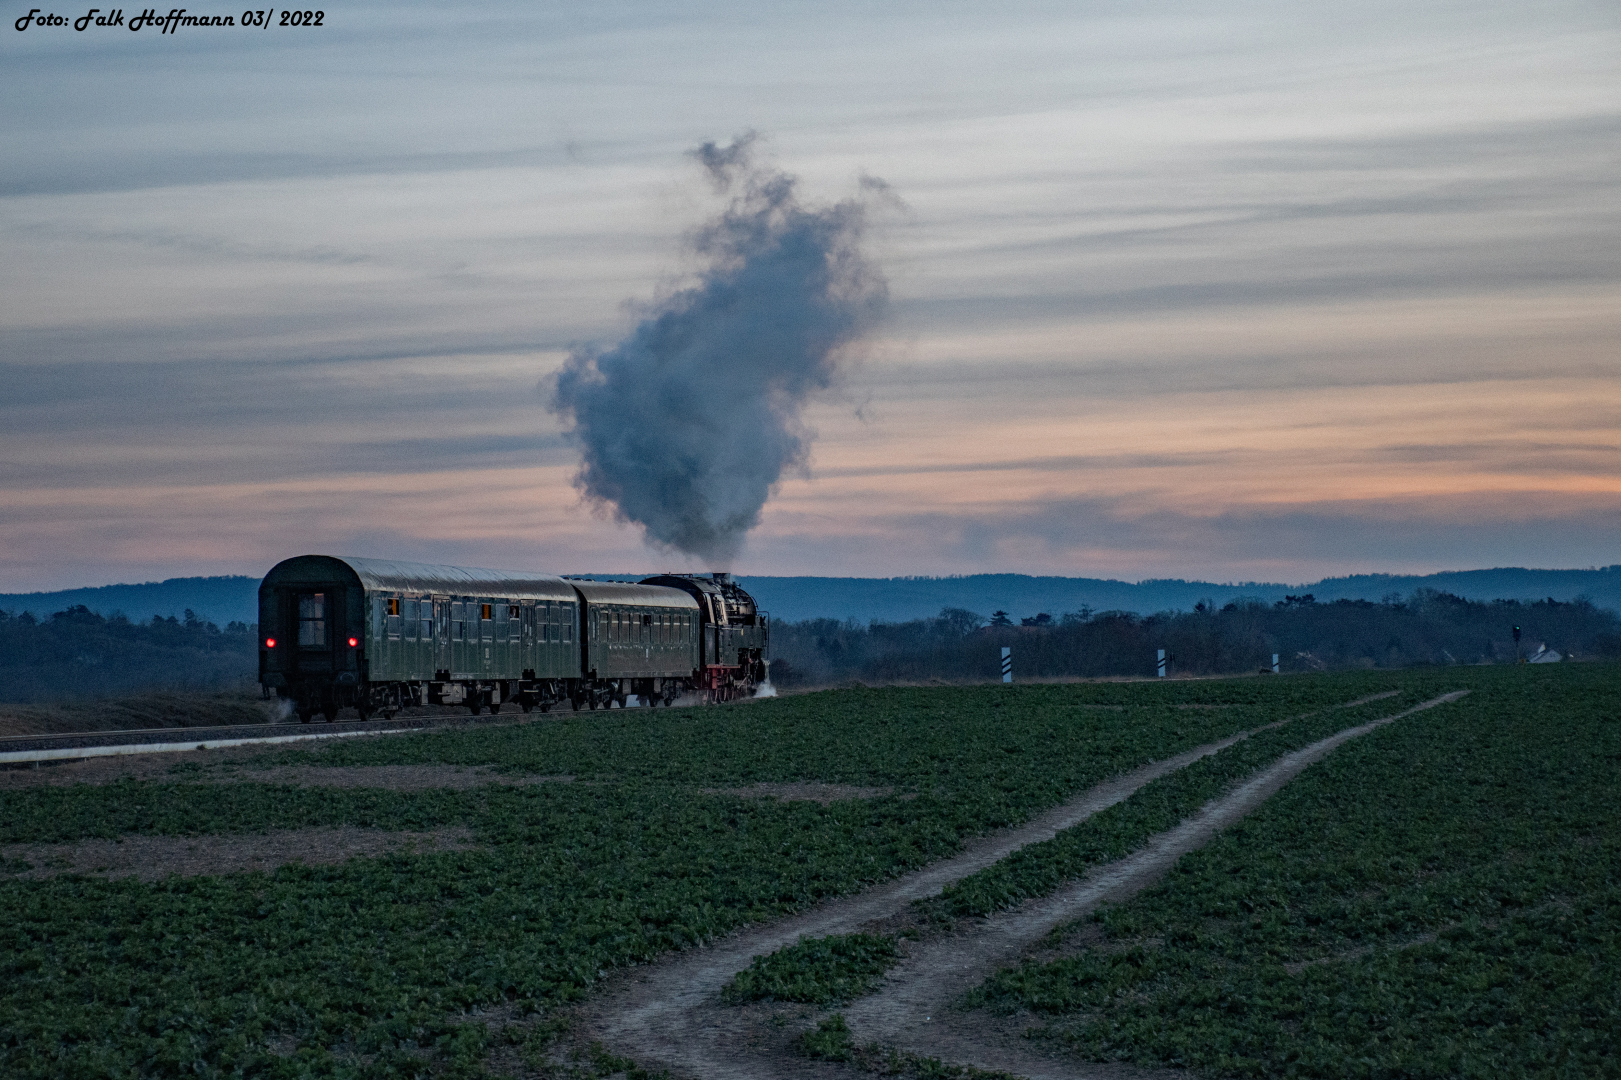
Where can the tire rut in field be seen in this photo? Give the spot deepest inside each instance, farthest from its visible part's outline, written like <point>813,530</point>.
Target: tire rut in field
<point>914,1012</point>
<point>667,1015</point>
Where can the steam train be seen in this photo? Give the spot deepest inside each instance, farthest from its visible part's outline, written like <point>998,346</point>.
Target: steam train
<point>378,636</point>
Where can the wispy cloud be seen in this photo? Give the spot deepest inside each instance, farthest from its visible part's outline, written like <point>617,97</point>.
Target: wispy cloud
<point>1178,291</point>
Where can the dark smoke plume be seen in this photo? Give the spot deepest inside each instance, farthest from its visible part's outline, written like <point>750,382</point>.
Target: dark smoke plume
<point>688,423</point>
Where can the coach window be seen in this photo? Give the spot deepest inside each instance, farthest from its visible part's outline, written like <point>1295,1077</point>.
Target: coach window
<point>566,613</point>
<point>394,619</point>
<point>312,619</point>
<point>427,620</point>
<point>408,620</point>
<point>514,623</point>
<point>458,622</point>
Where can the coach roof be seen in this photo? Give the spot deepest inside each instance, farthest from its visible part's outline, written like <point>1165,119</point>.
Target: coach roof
<point>388,575</point>
<point>616,592</point>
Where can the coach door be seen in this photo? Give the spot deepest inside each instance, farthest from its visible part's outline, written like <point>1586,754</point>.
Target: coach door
<point>313,643</point>
<point>436,624</point>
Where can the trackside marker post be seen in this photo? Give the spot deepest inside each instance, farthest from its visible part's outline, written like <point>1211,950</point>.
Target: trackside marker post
<point>1162,663</point>
<point>1007,663</point>
<point>1274,663</point>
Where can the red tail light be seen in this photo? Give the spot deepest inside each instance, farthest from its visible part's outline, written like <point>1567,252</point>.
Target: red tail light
<point>270,643</point>
<point>354,641</point>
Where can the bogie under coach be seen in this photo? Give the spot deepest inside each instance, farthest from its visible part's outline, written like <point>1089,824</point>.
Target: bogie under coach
<point>377,636</point>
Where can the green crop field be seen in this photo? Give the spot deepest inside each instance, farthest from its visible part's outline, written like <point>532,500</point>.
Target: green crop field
<point>387,965</point>
<point>1441,898</point>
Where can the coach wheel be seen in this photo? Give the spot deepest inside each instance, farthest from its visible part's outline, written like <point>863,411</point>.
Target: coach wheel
<point>475,706</point>
<point>495,707</point>
<point>305,715</point>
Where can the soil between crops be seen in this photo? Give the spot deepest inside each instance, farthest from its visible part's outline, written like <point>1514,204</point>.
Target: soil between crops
<point>152,858</point>
<point>232,765</point>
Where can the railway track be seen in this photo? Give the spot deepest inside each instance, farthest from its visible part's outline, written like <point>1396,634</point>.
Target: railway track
<point>76,745</point>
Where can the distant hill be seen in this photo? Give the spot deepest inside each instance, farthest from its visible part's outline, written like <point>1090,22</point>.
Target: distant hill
<point>226,599</point>
<point>219,600</point>
<point>900,599</point>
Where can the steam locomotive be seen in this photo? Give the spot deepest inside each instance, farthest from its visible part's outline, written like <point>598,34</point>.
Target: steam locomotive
<point>377,636</point>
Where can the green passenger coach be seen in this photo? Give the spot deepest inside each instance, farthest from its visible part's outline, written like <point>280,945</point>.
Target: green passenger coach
<point>379,635</point>
<point>642,638</point>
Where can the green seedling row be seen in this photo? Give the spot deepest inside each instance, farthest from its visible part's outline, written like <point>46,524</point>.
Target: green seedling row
<point>817,971</point>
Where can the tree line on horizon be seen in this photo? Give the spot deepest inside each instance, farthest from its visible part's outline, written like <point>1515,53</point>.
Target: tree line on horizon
<point>78,653</point>
<point>1425,628</point>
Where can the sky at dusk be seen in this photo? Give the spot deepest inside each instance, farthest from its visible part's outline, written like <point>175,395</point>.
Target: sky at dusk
<point>1233,291</point>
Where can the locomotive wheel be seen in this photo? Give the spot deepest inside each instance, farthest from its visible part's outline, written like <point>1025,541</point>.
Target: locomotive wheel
<point>526,704</point>
<point>305,715</point>
<point>495,707</point>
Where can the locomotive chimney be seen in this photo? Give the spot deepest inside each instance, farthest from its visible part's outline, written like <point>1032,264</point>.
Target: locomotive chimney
<point>720,577</point>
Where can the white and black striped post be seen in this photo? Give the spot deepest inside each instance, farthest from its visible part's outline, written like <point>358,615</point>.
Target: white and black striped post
<point>1274,663</point>
<point>1162,663</point>
<point>1007,663</point>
